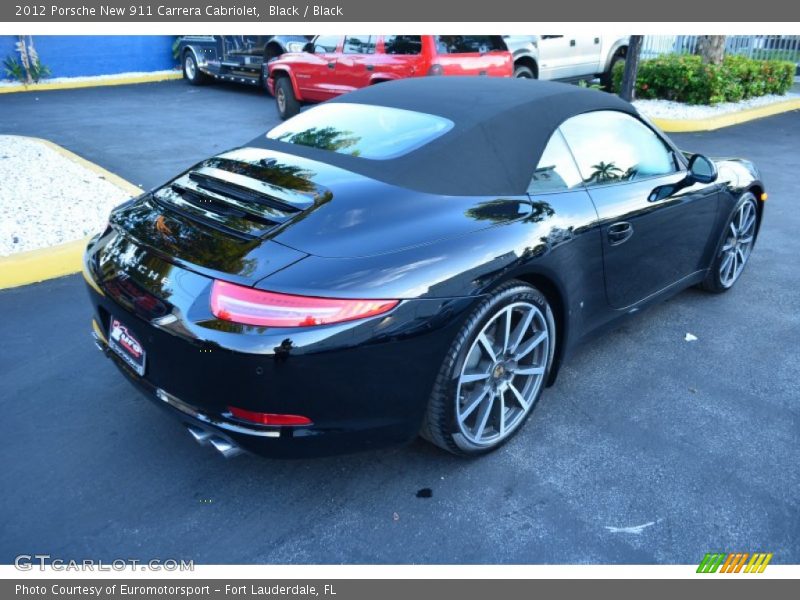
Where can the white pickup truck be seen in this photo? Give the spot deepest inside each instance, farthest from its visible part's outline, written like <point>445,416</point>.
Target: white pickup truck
<point>568,57</point>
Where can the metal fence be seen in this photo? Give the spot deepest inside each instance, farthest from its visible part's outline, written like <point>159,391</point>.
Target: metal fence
<point>777,47</point>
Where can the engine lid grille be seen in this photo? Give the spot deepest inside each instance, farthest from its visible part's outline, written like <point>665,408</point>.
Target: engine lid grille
<point>241,198</point>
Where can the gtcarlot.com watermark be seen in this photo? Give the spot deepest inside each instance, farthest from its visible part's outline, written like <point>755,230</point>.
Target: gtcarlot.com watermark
<point>43,562</point>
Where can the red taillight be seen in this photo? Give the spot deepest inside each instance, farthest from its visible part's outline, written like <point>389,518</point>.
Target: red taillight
<point>231,302</point>
<point>268,418</point>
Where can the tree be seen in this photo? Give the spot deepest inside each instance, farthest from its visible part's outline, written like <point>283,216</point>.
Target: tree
<point>631,68</point>
<point>711,49</point>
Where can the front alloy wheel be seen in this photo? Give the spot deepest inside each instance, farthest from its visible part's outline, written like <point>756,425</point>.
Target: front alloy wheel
<point>494,372</point>
<point>735,250</point>
<point>738,245</point>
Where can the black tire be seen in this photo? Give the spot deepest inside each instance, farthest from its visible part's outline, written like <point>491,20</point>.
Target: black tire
<point>440,425</point>
<point>607,78</point>
<point>523,72</point>
<point>287,103</point>
<point>191,72</point>
<point>713,281</point>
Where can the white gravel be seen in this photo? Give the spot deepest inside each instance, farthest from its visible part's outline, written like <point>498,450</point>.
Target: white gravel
<point>666,109</point>
<point>48,199</point>
<point>8,83</point>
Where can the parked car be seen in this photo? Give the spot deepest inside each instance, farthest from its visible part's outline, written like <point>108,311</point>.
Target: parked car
<point>238,58</point>
<point>566,57</point>
<point>335,64</point>
<point>409,258</point>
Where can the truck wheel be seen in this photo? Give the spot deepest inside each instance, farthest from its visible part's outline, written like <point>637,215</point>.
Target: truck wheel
<point>607,78</point>
<point>287,103</point>
<point>523,72</point>
<point>190,71</point>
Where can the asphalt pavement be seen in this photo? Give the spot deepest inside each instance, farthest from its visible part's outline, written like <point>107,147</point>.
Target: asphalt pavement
<point>649,448</point>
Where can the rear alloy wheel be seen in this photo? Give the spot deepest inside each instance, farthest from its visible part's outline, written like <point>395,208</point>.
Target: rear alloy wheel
<point>287,103</point>
<point>735,251</point>
<point>494,372</point>
<point>191,72</point>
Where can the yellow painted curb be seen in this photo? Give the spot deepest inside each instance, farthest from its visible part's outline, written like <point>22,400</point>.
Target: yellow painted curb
<point>104,173</point>
<point>70,85</point>
<point>726,120</point>
<point>23,268</point>
<point>37,265</point>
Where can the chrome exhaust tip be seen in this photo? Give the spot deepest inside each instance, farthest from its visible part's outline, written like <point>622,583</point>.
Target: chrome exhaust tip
<point>224,447</point>
<point>200,435</point>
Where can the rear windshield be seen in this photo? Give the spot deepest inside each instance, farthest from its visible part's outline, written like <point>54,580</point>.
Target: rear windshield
<point>469,44</point>
<point>374,132</point>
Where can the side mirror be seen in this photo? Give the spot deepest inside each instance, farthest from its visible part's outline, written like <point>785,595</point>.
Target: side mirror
<point>309,47</point>
<point>702,169</point>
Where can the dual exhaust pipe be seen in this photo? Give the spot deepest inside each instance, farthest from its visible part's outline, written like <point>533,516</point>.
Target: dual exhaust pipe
<point>225,447</point>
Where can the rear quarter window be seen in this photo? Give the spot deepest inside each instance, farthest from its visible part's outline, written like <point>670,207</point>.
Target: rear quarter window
<point>402,44</point>
<point>468,44</point>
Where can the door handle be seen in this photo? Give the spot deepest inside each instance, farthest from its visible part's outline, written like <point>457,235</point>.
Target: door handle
<point>330,65</point>
<point>572,42</point>
<point>596,40</point>
<point>619,233</point>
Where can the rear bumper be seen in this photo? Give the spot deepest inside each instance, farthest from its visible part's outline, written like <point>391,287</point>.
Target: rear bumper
<point>364,384</point>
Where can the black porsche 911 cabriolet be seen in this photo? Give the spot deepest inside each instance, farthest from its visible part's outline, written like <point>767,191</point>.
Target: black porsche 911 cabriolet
<point>417,257</point>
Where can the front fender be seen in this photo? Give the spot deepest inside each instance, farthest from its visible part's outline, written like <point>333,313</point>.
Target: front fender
<point>285,70</point>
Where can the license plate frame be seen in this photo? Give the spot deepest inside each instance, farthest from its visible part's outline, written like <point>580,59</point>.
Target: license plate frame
<point>127,346</point>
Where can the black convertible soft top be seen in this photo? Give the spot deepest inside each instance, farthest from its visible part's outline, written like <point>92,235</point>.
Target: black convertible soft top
<point>501,127</point>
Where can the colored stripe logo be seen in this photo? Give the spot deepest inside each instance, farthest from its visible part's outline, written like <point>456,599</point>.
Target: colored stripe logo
<point>734,562</point>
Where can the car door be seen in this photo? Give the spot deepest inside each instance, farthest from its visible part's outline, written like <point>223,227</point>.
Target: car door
<point>355,64</point>
<point>401,56</point>
<point>564,218</point>
<point>554,54</point>
<point>587,55</point>
<point>316,74</point>
<point>472,55</point>
<point>656,225</point>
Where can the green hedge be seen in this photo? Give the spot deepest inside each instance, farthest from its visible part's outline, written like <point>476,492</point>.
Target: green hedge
<point>684,78</point>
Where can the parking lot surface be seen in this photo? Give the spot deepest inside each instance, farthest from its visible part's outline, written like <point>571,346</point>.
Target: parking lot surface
<point>649,448</point>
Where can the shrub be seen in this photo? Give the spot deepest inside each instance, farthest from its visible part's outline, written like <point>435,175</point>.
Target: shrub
<point>684,78</point>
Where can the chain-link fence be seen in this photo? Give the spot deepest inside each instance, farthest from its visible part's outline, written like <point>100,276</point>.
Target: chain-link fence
<point>773,47</point>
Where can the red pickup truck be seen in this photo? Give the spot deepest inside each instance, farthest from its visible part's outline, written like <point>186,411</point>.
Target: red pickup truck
<point>334,64</point>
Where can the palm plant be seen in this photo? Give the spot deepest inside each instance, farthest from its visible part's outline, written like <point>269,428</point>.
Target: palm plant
<point>28,68</point>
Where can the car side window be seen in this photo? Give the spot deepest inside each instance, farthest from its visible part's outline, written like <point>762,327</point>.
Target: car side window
<point>402,44</point>
<point>613,147</point>
<point>359,44</point>
<point>326,43</point>
<point>556,170</point>
<point>468,44</point>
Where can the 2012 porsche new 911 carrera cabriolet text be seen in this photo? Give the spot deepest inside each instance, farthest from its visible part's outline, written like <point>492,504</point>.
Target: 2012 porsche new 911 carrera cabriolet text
<point>417,257</point>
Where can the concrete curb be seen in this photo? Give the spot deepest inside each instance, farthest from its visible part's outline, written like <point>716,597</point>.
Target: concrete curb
<point>726,120</point>
<point>23,268</point>
<point>70,85</point>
